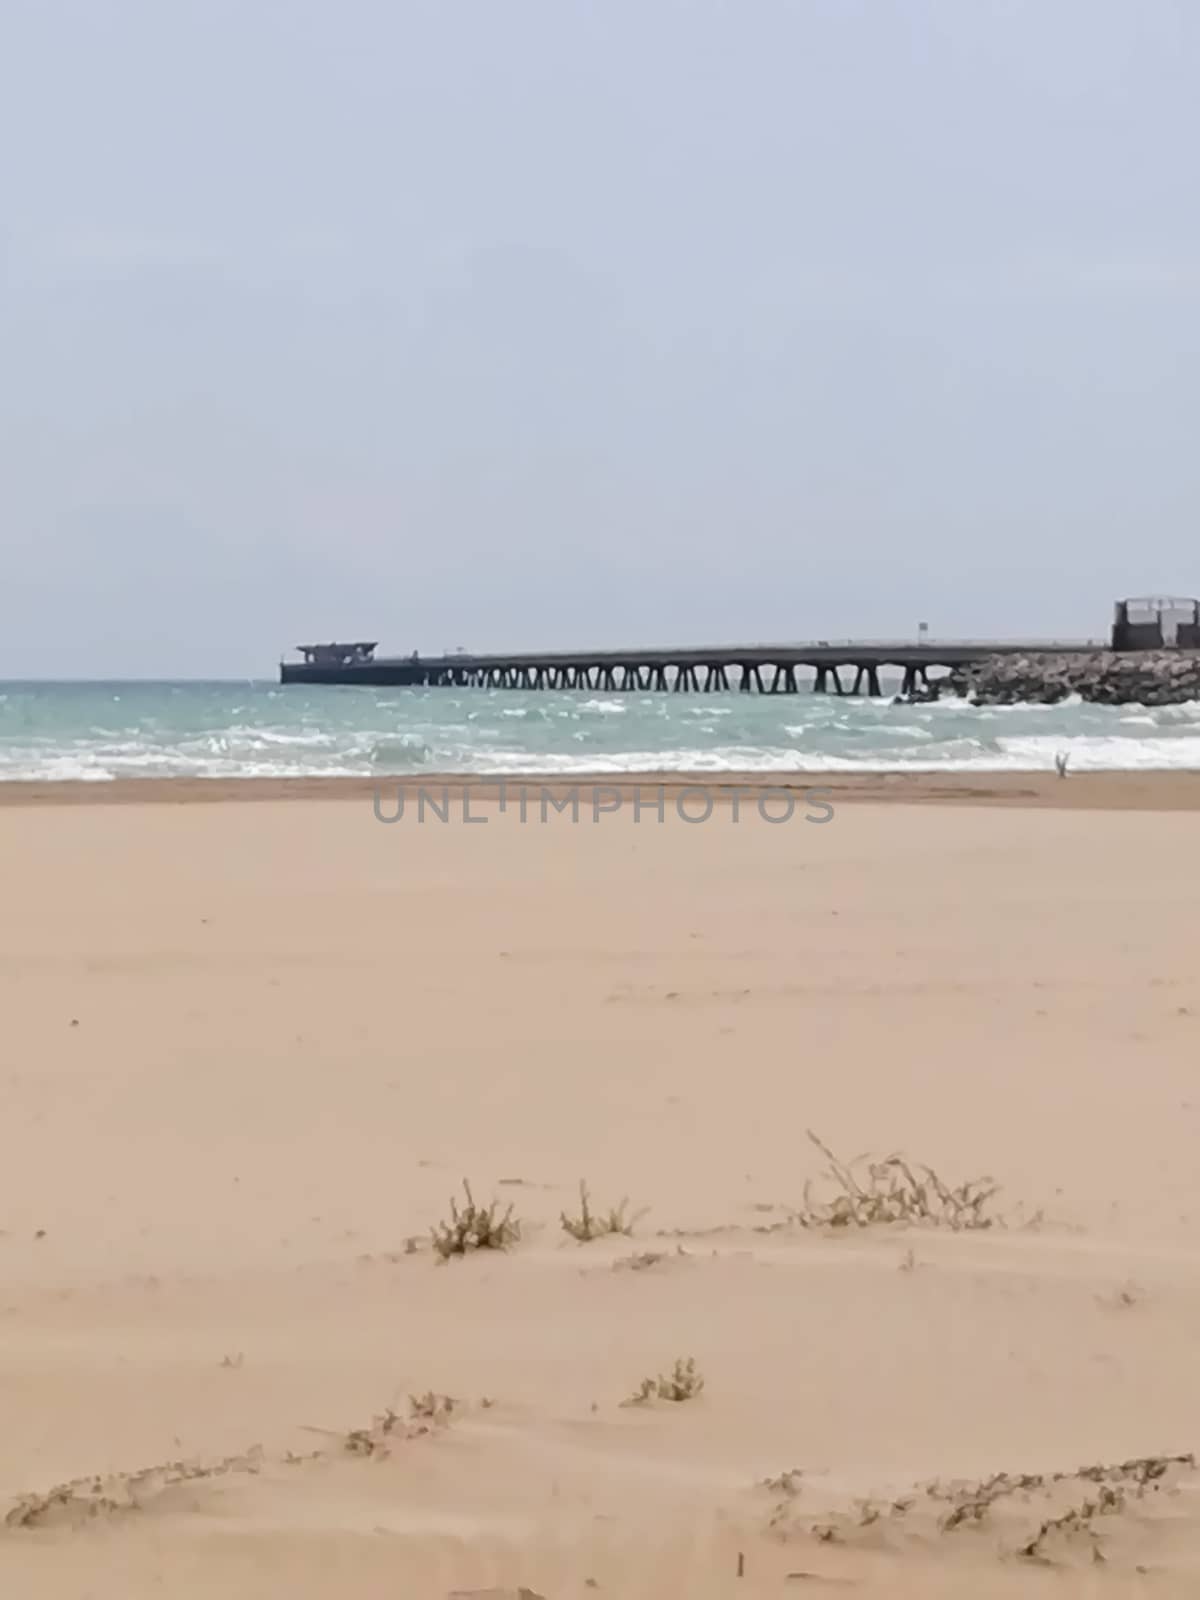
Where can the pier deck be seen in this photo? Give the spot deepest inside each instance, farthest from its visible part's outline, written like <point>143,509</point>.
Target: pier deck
<point>750,669</point>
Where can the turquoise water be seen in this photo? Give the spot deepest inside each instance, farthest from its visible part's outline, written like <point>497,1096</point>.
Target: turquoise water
<point>116,730</point>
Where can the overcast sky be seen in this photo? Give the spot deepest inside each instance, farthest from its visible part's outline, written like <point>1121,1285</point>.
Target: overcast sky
<point>544,322</point>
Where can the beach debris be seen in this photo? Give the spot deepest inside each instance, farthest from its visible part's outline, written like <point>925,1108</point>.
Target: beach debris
<point>1122,1298</point>
<point>589,1224</point>
<point>474,1228</point>
<point>641,1260</point>
<point>683,1382</point>
<point>427,1413</point>
<point>869,1193</point>
<point>495,1594</point>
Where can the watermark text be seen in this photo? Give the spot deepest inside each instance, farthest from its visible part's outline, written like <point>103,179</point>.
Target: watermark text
<point>590,803</point>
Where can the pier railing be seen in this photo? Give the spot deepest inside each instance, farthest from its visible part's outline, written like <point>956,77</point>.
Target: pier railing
<point>925,644</point>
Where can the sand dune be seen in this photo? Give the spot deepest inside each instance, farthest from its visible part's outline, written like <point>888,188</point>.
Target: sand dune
<point>251,1051</point>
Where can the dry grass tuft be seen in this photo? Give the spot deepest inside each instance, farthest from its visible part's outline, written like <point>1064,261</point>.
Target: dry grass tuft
<point>870,1193</point>
<point>1076,1520</point>
<point>788,1483</point>
<point>683,1382</point>
<point>1117,1483</point>
<point>971,1502</point>
<point>86,1498</point>
<point>426,1412</point>
<point>430,1407</point>
<point>474,1228</point>
<point>373,1440</point>
<point>589,1224</point>
<point>98,1495</point>
<point>1034,1516</point>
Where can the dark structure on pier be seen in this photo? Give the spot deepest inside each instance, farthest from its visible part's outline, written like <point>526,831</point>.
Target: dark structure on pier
<point>1156,624</point>
<point>338,655</point>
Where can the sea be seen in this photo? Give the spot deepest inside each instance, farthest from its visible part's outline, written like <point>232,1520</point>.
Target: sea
<point>104,731</point>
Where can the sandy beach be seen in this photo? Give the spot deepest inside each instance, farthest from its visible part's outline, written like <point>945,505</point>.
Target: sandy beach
<point>252,1051</point>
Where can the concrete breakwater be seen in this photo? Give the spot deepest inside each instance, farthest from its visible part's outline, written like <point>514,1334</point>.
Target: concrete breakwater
<point>1101,677</point>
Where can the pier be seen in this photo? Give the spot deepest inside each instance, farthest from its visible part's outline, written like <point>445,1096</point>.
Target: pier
<point>841,666</point>
<point>850,667</point>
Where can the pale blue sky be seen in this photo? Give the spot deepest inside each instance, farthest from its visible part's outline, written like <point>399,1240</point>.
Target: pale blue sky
<point>540,322</point>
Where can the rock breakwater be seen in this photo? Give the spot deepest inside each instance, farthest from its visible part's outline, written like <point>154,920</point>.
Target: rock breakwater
<point>1101,677</point>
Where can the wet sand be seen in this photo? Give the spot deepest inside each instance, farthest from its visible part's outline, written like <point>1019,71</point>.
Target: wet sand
<point>1085,791</point>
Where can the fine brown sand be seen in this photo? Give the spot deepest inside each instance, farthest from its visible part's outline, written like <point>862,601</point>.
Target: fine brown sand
<point>250,1052</point>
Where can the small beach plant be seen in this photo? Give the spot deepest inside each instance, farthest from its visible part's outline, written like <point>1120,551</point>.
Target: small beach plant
<point>683,1382</point>
<point>868,1193</point>
<point>474,1227</point>
<point>589,1224</point>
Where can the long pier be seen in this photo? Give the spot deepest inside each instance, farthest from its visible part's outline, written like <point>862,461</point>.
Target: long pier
<point>748,669</point>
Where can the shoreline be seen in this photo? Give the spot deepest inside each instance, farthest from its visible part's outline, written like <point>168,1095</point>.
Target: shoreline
<point>1103,791</point>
